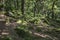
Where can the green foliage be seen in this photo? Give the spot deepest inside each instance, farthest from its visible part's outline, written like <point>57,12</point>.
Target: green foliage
<point>31,8</point>
<point>32,11</point>
<point>6,38</point>
<point>22,33</point>
<point>35,20</point>
<point>45,20</point>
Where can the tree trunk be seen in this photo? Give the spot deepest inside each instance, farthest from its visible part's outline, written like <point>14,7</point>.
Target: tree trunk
<point>22,10</point>
<point>53,9</point>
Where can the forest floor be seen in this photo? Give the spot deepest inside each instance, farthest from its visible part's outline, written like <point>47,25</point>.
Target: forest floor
<point>43,31</point>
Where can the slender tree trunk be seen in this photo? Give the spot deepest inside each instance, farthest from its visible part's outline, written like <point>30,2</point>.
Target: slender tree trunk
<point>17,5</point>
<point>22,7</point>
<point>35,8</point>
<point>53,9</point>
<point>22,10</point>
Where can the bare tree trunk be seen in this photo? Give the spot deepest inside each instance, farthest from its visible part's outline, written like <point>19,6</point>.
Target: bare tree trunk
<point>22,10</point>
<point>53,9</point>
<point>22,7</point>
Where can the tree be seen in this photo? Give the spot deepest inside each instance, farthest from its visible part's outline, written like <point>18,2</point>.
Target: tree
<point>54,2</point>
